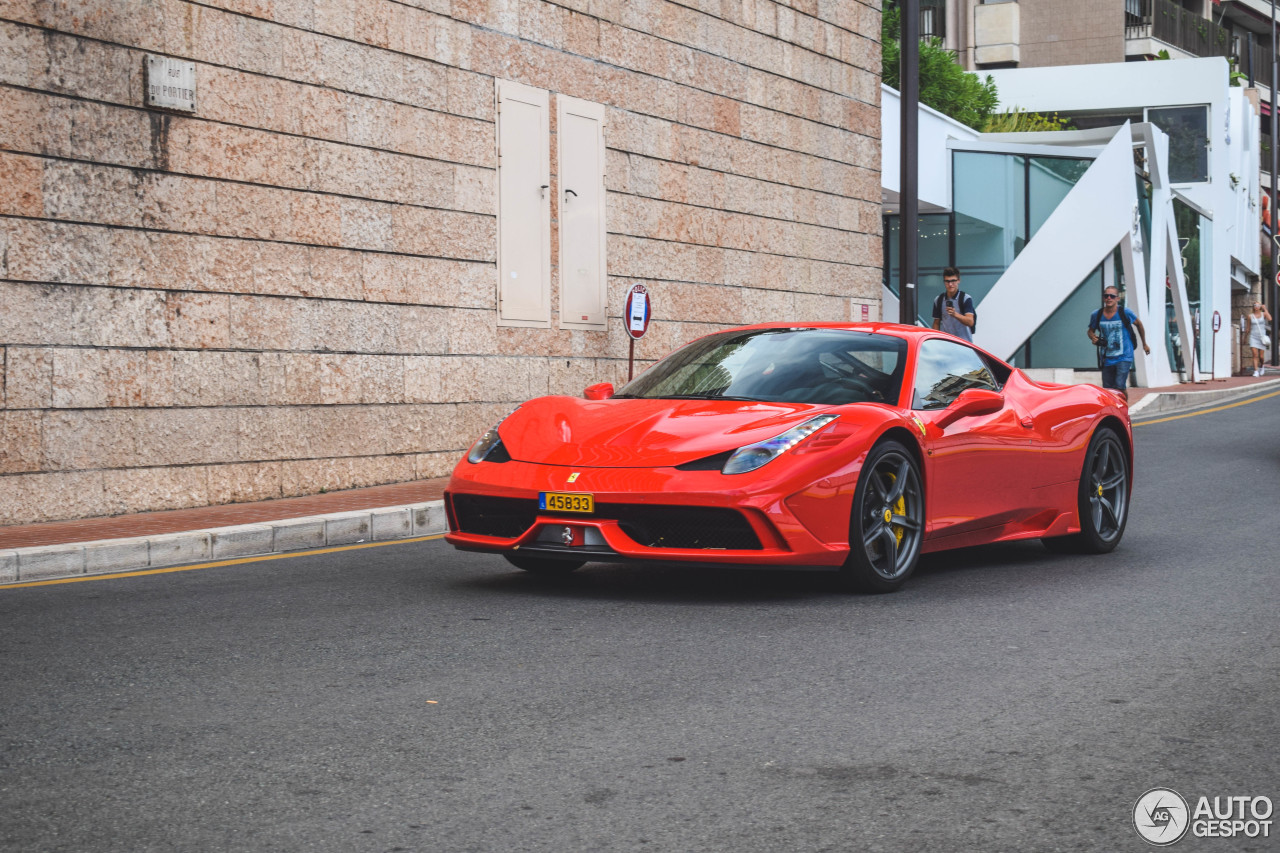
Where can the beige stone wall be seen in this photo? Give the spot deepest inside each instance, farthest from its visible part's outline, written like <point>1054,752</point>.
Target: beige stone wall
<point>1050,32</point>
<point>1082,32</point>
<point>293,289</point>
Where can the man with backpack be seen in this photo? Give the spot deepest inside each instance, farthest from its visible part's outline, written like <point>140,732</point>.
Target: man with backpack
<point>953,310</point>
<point>1111,331</point>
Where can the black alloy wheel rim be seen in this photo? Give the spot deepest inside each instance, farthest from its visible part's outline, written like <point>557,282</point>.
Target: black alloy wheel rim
<point>1107,485</point>
<point>893,515</point>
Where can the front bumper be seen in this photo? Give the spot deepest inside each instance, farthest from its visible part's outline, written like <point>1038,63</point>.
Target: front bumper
<point>661,514</point>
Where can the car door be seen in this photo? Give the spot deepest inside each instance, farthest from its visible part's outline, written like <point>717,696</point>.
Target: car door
<point>974,464</point>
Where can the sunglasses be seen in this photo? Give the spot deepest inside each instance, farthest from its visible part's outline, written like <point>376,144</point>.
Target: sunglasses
<point>1109,296</point>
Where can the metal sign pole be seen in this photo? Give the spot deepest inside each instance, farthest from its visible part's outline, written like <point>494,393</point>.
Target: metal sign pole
<point>1195,332</point>
<point>908,176</point>
<point>1213,354</point>
<point>631,360</point>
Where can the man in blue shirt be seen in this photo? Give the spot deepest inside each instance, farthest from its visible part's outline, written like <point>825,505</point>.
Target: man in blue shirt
<point>1107,331</point>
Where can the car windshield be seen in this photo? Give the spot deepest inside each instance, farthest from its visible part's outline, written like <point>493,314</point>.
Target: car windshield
<point>821,366</point>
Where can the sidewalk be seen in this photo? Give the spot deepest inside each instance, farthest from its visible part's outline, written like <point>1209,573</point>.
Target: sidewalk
<point>156,540</point>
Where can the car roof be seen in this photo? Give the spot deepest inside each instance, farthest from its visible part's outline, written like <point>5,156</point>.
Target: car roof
<point>896,329</point>
<point>912,334</point>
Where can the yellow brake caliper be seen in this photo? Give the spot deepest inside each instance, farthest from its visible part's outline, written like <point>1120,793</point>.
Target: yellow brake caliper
<point>899,508</point>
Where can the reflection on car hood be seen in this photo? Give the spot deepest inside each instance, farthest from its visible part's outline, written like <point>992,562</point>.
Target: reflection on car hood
<point>641,433</point>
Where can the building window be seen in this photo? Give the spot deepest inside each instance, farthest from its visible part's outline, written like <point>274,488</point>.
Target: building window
<point>933,19</point>
<point>1060,341</point>
<point>1188,129</point>
<point>524,206</point>
<point>935,253</point>
<point>990,200</point>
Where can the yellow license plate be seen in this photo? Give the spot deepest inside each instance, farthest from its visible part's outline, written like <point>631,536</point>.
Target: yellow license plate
<point>566,501</point>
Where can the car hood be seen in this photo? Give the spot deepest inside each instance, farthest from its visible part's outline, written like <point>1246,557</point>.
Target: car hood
<point>624,433</point>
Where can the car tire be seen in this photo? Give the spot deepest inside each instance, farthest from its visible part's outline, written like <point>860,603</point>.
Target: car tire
<point>1102,498</point>
<point>543,566</point>
<point>887,525</point>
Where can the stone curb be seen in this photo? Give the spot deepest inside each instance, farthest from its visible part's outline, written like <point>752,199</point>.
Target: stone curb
<point>385,524</point>
<point>1183,401</point>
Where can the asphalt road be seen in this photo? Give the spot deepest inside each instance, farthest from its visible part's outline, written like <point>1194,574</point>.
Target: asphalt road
<point>411,698</point>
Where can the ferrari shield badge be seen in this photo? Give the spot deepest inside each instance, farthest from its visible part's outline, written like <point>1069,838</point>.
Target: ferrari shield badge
<point>919,423</point>
<point>573,477</point>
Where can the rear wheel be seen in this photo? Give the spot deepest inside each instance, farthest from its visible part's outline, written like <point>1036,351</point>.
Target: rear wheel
<point>888,521</point>
<point>543,566</point>
<point>1102,499</point>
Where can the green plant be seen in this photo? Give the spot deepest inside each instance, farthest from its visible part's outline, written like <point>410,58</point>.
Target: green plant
<point>1235,76</point>
<point>944,85</point>
<point>1019,120</point>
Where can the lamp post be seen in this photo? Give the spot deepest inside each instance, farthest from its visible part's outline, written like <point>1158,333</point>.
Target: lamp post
<point>908,187</point>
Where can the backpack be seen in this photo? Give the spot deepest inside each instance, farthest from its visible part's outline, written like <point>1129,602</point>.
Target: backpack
<point>937,307</point>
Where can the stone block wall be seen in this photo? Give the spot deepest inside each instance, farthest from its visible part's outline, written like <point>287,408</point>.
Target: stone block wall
<point>1083,32</point>
<point>293,289</point>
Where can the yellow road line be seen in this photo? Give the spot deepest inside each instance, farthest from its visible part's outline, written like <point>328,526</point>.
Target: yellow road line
<point>236,562</point>
<point>1206,411</point>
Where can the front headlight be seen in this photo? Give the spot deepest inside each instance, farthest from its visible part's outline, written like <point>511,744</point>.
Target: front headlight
<point>753,456</point>
<point>488,442</point>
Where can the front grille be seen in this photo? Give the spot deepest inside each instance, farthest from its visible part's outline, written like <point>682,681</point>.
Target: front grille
<point>691,527</point>
<point>490,516</point>
<point>683,526</point>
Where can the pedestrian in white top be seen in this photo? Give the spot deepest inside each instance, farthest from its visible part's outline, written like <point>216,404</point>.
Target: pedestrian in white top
<point>1259,341</point>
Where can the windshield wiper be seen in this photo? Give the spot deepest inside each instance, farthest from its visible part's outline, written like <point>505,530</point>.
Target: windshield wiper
<point>709,397</point>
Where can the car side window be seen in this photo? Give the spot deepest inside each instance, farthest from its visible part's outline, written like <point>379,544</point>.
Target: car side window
<point>944,369</point>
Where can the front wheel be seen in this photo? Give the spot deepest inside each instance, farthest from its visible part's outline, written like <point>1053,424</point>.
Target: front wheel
<point>888,521</point>
<point>543,566</point>
<point>1102,499</point>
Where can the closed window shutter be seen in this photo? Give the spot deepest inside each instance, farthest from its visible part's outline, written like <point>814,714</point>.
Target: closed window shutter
<point>524,206</point>
<point>583,271</point>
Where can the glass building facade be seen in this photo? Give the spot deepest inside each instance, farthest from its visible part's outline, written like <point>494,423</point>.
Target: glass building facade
<point>1000,201</point>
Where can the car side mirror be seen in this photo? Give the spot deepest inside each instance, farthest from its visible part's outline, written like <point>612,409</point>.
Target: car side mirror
<point>599,391</point>
<point>971,402</point>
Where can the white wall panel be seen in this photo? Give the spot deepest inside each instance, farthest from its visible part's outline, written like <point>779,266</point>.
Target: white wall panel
<point>583,279</point>
<point>524,206</point>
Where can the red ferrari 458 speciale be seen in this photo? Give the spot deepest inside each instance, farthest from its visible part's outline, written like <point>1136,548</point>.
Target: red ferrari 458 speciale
<point>848,447</point>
